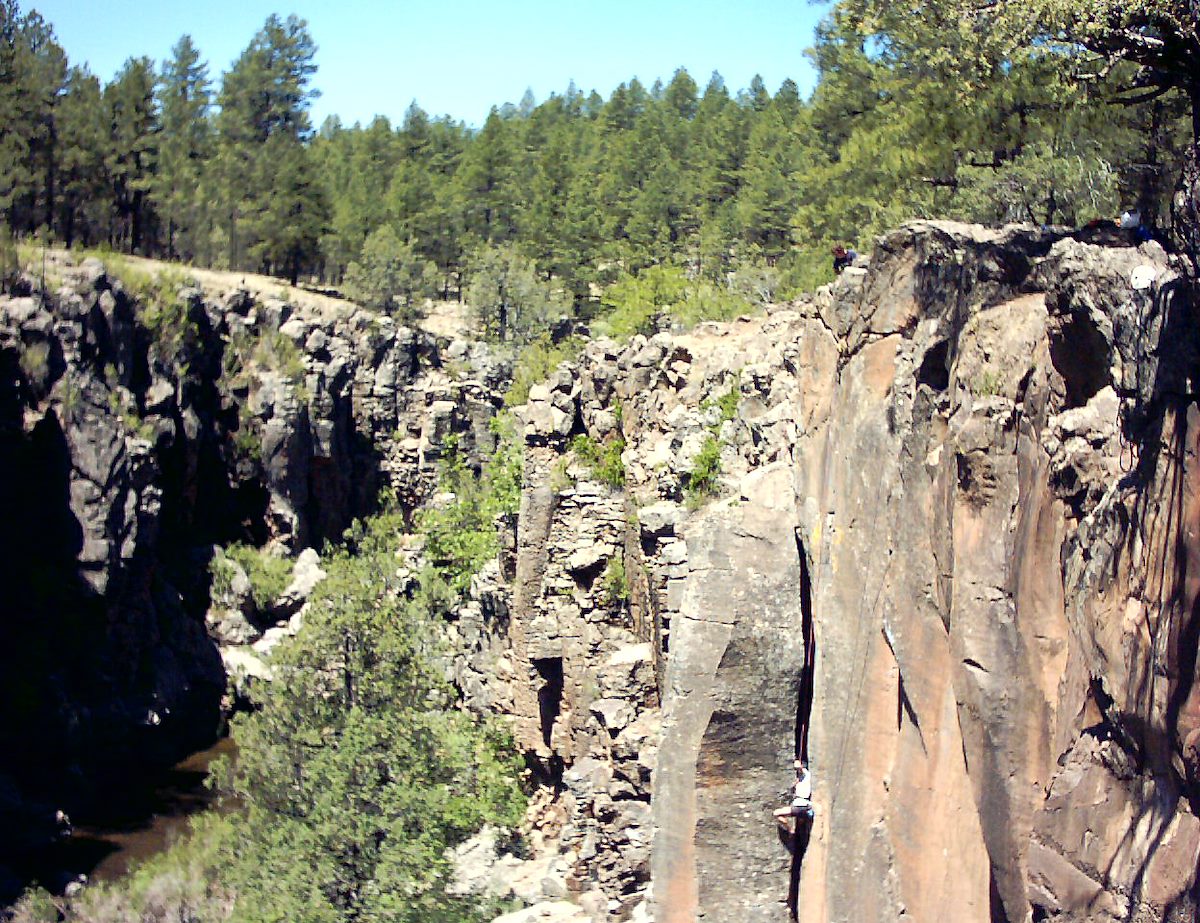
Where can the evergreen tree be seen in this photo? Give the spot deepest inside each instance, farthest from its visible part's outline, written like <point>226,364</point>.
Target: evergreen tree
<point>485,183</point>
<point>185,147</point>
<point>389,275</point>
<point>132,152</point>
<point>507,297</point>
<point>264,113</point>
<point>357,771</point>
<point>85,202</point>
<point>33,76</point>
<point>355,165</point>
<point>285,227</point>
<point>768,192</point>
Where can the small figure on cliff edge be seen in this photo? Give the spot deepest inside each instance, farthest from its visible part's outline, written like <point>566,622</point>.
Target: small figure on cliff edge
<point>802,805</point>
<point>842,257</point>
<point>1131,223</point>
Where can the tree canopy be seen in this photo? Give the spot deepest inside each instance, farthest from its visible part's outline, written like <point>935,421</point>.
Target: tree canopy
<point>1051,111</point>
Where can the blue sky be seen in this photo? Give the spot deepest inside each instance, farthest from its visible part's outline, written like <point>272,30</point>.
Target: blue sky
<point>459,57</point>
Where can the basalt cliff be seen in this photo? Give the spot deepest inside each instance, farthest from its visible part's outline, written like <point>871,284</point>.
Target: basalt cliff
<point>933,529</point>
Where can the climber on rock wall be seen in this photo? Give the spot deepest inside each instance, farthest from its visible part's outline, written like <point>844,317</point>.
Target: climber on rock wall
<point>801,805</point>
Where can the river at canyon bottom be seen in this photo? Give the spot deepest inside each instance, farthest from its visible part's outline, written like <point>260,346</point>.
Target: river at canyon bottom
<point>139,822</point>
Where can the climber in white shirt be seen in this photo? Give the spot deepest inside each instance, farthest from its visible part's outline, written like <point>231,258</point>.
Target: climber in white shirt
<point>802,805</point>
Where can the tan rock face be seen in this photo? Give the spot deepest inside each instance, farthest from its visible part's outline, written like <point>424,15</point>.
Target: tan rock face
<point>973,469</point>
<point>991,593</point>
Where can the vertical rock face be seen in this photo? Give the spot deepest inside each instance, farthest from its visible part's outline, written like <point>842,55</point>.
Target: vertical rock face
<point>982,586</point>
<point>972,467</point>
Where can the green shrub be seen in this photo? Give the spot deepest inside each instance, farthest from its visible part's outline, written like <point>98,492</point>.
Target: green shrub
<point>536,362</point>
<point>70,396</point>
<point>707,302</point>
<point>269,574</point>
<point>603,460</point>
<point>614,582</point>
<point>636,301</point>
<point>461,537</point>
<point>141,427</point>
<point>247,440</point>
<point>987,382</point>
<point>804,269</point>
<point>727,403</point>
<point>508,295</point>
<point>35,363</point>
<point>10,262</point>
<point>182,883</point>
<point>560,478</point>
<point>165,316</point>
<point>277,352</point>
<point>703,479</point>
<point>390,275</point>
<point>358,771</point>
<point>36,905</point>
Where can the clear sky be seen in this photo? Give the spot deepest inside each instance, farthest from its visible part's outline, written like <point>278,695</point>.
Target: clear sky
<point>459,57</point>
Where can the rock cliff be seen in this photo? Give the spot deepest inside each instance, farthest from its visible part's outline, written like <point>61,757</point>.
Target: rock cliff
<point>933,529</point>
<point>961,484</point>
<point>137,431</point>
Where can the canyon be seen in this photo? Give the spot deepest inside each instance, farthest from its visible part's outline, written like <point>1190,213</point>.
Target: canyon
<point>945,549</point>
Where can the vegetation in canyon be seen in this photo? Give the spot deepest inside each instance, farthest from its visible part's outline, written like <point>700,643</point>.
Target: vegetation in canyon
<point>668,204</point>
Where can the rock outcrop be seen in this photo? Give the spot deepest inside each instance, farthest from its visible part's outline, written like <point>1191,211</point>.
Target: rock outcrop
<point>138,430</point>
<point>960,481</point>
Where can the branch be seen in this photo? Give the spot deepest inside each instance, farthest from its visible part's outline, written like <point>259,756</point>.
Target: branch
<point>1161,90</point>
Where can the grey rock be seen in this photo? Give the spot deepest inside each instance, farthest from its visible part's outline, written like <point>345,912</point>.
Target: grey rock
<point>658,519</point>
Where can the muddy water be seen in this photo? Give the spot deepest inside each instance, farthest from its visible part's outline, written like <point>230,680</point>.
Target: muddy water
<point>136,824</point>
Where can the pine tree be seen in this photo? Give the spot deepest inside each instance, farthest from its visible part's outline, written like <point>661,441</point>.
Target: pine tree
<point>355,165</point>
<point>389,275</point>
<point>85,193</point>
<point>287,225</point>
<point>508,298</point>
<point>132,151</point>
<point>264,98</point>
<point>185,147</point>
<point>33,76</point>
<point>485,183</point>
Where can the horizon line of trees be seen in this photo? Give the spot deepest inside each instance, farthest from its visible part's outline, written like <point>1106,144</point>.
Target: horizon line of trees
<point>163,161</point>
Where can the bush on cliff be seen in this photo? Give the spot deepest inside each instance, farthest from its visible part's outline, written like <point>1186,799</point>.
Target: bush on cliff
<point>704,478</point>
<point>269,574</point>
<point>636,302</point>
<point>461,534</point>
<point>536,361</point>
<point>603,459</point>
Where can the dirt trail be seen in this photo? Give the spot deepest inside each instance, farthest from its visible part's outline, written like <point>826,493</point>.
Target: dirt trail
<point>442,318</point>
